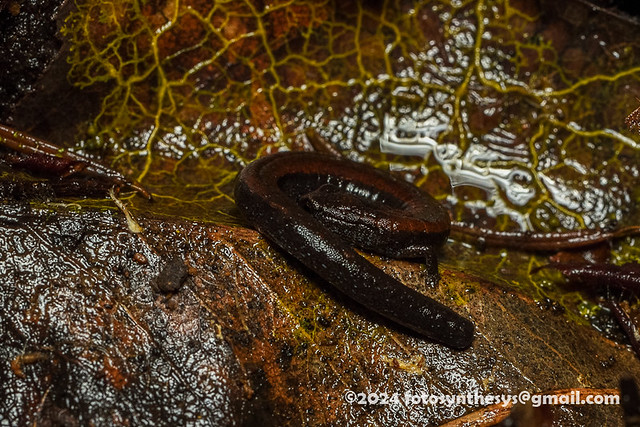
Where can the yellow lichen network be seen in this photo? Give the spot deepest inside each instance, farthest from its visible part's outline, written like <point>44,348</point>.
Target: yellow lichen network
<point>505,108</point>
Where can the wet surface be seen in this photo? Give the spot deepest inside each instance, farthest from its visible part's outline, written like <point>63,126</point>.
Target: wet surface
<point>513,113</point>
<point>510,112</point>
<point>87,339</point>
<point>108,348</point>
<point>29,43</point>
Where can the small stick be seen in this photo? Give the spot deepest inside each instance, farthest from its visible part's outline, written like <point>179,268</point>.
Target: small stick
<point>27,144</point>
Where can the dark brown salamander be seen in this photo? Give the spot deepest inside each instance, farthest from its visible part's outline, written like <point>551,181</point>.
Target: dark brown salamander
<point>268,193</point>
<point>311,205</point>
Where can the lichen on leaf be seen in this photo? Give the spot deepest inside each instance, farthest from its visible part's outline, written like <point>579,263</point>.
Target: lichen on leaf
<point>515,104</point>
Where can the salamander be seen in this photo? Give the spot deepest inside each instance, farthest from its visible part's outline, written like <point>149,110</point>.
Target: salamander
<point>385,215</point>
<point>316,206</point>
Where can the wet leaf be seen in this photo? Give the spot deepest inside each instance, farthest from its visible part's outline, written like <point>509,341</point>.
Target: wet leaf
<point>89,338</point>
<point>522,100</point>
<point>509,111</point>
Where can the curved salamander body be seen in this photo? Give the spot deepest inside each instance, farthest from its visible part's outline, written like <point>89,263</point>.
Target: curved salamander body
<point>370,209</point>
